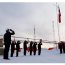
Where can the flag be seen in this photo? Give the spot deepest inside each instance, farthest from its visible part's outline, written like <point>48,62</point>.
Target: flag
<point>59,15</point>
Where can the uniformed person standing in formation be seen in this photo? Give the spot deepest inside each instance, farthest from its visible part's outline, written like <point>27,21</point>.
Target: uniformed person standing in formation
<point>17,48</point>
<point>34,47</point>
<point>31,47</point>
<point>7,42</point>
<point>25,46</point>
<point>39,47</point>
<point>12,48</point>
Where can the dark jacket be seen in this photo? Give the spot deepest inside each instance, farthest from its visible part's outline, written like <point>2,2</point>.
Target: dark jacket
<point>39,45</point>
<point>31,45</point>
<point>7,37</point>
<point>60,45</point>
<point>25,44</point>
<point>34,46</point>
<point>13,46</point>
<point>18,45</point>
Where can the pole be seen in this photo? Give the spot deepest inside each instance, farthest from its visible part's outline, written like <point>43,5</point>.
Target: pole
<point>57,8</point>
<point>34,33</point>
<point>58,25</point>
<point>53,31</point>
<point>58,31</point>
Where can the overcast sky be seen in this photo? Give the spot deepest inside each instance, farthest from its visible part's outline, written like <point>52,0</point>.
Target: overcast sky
<point>21,17</point>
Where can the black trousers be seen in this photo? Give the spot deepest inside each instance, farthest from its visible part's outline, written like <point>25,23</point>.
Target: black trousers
<point>12,52</point>
<point>6,51</point>
<point>24,51</point>
<point>34,52</point>
<point>17,53</point>
<point>30,51</point>
<point>39,51</point>
<point>61,50</point>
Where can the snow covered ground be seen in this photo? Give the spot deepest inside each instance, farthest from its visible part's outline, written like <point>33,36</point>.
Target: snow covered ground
<point>47,56</point>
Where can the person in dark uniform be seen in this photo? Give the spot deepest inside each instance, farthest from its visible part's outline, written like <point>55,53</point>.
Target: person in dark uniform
<point>25,46</point>
<point>7,42</point>
<point>34,48</point>
<point>17,48</point>
<point>12,48</point>
<point>31,47</point>
<point>64,47</point>
<point>60,45</point>
<point>39,47</point>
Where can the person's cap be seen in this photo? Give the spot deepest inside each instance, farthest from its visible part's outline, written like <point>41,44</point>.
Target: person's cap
<point>7,30</point>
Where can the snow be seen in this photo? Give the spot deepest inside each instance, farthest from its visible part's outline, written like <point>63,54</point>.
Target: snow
<point>47,56</point>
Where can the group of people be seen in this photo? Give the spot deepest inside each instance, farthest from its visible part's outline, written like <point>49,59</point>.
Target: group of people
<point>7,43</point>
<point>61,46</point>
<point>32,47</point>
<point>15,48</point>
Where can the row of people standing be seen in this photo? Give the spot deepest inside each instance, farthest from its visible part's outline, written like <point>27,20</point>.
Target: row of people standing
<point>33,47</point>
<point>7,43</point>
<point>17,48</point>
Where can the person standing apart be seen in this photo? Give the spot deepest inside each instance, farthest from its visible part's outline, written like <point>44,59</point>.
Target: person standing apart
<point>60,46</point>
<point>7,42</point>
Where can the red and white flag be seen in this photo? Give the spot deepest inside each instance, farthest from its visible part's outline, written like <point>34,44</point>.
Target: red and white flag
<point>59,15</point>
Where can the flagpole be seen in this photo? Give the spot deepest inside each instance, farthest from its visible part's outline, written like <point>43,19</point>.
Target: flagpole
<point>34,33</point>
<point>57,9</point>
<point>58,31</point>
<point>58,22</point>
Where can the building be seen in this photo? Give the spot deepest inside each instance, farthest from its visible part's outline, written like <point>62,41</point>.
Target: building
<point>1,47</point>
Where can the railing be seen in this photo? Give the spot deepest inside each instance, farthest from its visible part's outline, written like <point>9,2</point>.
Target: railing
<point>29,39</point>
